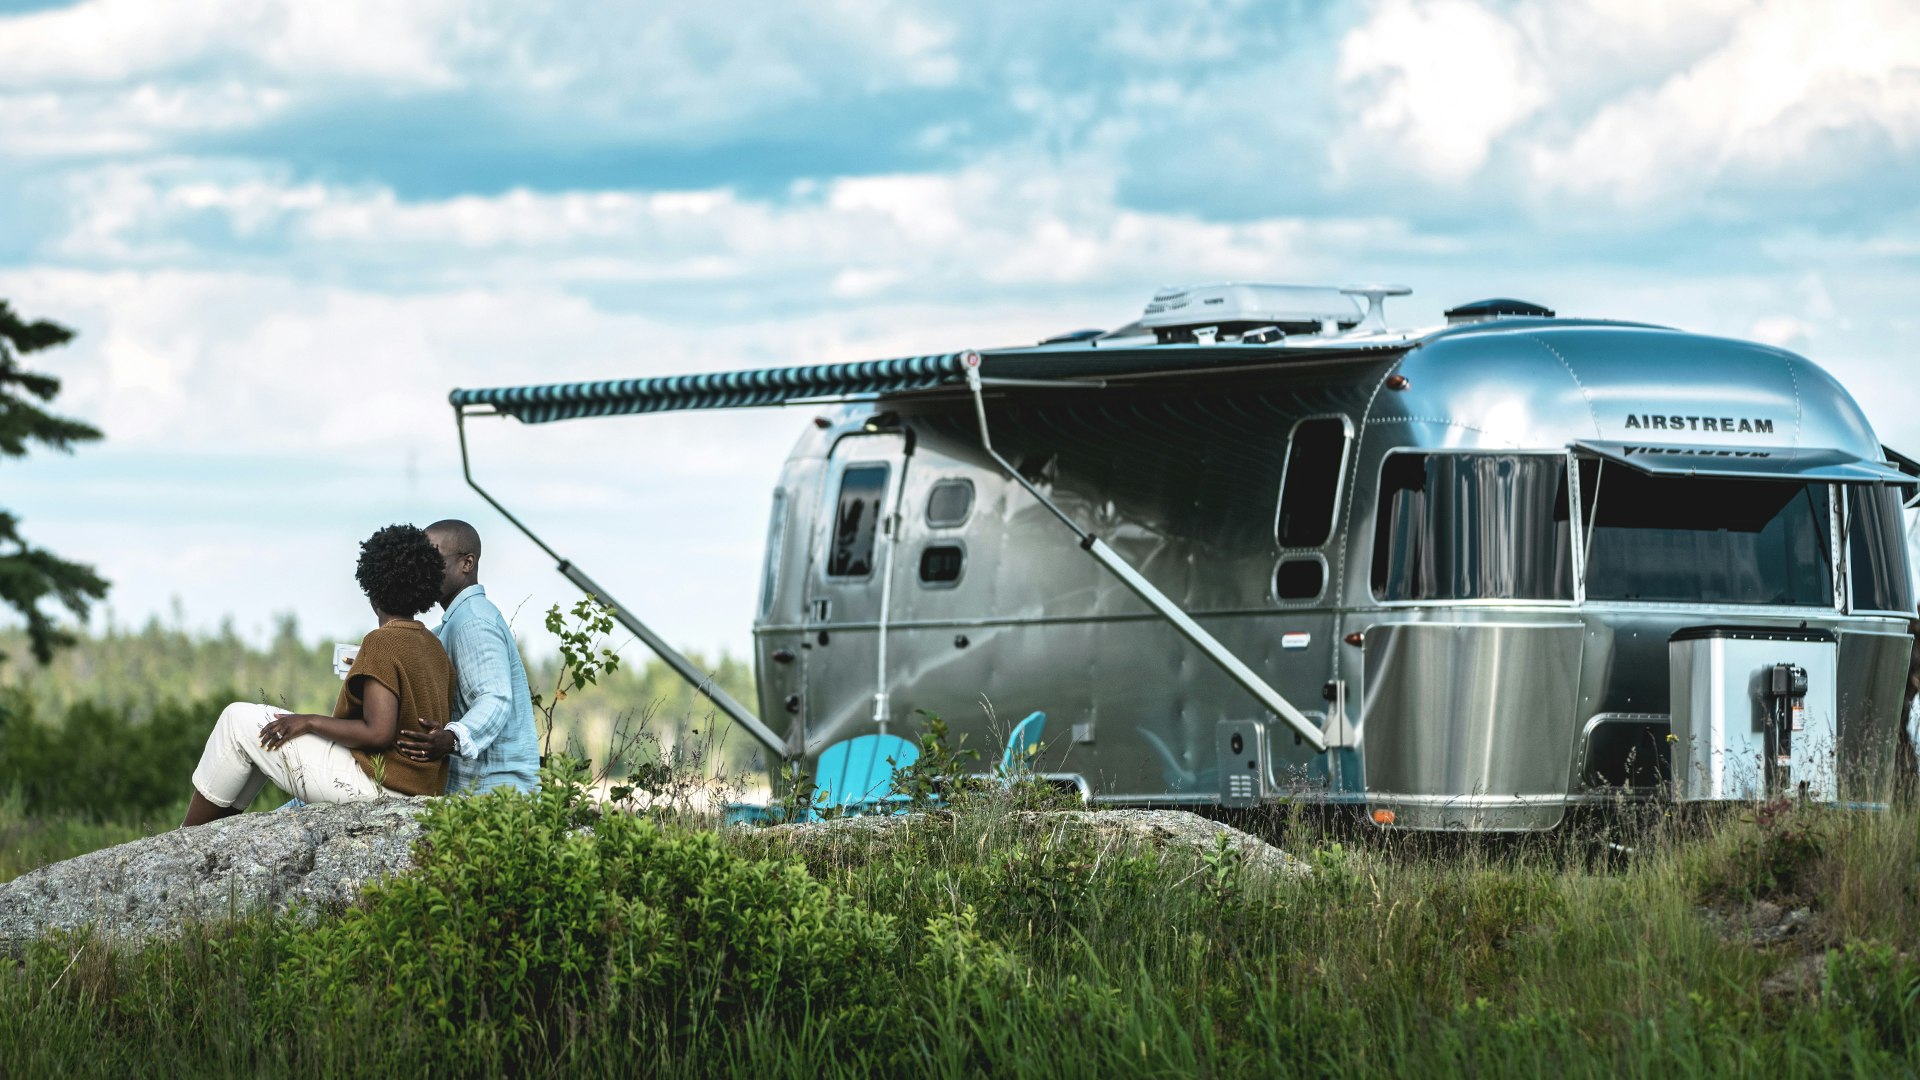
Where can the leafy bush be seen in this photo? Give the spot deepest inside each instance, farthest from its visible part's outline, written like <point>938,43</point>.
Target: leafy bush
<point>1771,852</point>
<point>1879,986</point>
<point>533,921</point>
<point>100,760</point>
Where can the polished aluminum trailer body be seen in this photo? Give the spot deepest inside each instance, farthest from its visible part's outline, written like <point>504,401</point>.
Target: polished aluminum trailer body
<point>1492,692</point>
<point>1456,577</point>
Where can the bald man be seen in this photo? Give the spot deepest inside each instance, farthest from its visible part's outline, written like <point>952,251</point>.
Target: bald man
<point>491,740</point>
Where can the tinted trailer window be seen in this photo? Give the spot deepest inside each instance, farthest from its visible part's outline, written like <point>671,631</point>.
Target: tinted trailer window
<point>1691,539</point>
<point>1472,527</point>
<point>1877,550</point>
<point>863,488</point>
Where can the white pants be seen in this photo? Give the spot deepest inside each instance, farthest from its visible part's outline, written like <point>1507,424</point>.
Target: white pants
<point>234,766</point>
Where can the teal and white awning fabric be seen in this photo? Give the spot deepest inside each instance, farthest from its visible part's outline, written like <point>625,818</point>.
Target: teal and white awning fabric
<point>716,390</point>
<point>776,386</point>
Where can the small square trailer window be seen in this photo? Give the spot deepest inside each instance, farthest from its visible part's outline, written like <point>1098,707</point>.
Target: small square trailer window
<point>940,564</point>
<point>1299,579</point>
<point>950,503</point>
<point>863,490</point>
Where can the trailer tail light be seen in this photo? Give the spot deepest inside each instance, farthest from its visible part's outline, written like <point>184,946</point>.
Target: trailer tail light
<point>1383,817</point>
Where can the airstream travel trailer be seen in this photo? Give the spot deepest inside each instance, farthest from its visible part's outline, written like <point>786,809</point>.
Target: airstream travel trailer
<point>1256,546</point>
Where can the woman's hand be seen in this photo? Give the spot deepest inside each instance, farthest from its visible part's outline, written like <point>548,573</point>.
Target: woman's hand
<point>274,733</point>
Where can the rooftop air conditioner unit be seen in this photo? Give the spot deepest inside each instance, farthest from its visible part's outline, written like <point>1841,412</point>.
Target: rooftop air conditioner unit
<point>1231,309</point>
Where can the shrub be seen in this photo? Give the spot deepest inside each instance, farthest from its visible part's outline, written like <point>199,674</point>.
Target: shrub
<point>533,921</point>
<point>1879,987</point>
<point>101,761</point>
<point>1771,853</point>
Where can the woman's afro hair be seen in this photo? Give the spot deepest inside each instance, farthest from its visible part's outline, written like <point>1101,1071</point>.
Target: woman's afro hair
<point>400,570</point>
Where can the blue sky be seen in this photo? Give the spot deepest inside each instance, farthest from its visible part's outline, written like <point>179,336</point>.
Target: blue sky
<point>286,230</point>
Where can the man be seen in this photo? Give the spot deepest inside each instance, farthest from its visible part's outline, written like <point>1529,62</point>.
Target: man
<point>491,740</point>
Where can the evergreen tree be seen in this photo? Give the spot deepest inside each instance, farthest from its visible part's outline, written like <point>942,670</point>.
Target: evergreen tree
<point>29,574</point>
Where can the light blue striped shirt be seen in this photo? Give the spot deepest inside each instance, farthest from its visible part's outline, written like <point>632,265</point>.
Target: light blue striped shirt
<point>493,718</point>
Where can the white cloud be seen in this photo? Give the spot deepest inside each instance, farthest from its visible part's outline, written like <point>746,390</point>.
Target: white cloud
<point>1008,222</point>
<point>1789,86</point>
<point>127,41</point>
<point>1438,81</point>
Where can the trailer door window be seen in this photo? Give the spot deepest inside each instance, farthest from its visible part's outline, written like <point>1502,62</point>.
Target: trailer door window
<point>1877,550</point>
<point>776,539</point>
<point>863,491</point>
<point>1310,487</point>
<point>1693,539</point>
<point>1472,527</point>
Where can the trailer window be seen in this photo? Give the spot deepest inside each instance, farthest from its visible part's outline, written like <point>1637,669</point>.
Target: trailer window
<point>1310,487</point>
<point>949,503</point>
<point>863,491</point>
<point>1472,526</point>
<point>1877,550</point>
<point>940,564</point>
<point>1692,539</point>
<point>776,539</point>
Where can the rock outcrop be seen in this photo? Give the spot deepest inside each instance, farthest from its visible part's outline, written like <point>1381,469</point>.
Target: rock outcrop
<point>319,858</point>
<point>1166,831</point>
<point>312,859</point>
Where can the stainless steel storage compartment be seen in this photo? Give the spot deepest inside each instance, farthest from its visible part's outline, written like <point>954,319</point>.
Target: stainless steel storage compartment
<point>1753,712</point>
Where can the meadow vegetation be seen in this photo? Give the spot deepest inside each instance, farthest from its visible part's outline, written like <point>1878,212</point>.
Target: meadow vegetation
<point>561,935</point>
<point>555,935</point>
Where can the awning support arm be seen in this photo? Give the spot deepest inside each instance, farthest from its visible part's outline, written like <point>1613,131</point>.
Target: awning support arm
<point>699,680</point>
<point>1248,679</point>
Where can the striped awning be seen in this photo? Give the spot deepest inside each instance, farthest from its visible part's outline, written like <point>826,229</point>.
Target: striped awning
<point>716,390</point>
<point>999,367</point>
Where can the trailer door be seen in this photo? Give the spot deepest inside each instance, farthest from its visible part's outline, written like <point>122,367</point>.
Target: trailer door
<point>847,587</point>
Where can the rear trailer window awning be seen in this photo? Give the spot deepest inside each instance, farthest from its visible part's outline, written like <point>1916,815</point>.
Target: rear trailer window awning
<point>1807,464</point>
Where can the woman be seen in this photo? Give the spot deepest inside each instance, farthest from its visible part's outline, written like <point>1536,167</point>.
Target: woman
<point>401,676</point>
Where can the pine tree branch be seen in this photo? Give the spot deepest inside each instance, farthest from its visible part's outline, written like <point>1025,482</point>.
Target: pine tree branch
<point>29,337</point>
<point>29,575</point>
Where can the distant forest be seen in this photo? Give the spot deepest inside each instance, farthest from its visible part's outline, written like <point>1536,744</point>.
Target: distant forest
<point>135,672</point>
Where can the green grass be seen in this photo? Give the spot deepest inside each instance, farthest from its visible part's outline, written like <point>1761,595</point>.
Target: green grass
<point>982,944</point>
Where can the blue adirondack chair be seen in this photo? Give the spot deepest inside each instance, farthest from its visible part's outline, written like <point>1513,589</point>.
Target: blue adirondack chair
<point>1022,744</point>
<point>853,776</point>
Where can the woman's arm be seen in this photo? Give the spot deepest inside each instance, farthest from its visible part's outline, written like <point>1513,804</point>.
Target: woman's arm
<point>373,729</point>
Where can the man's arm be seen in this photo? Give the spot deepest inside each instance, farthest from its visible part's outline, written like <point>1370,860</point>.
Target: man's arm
<point>481,651</point>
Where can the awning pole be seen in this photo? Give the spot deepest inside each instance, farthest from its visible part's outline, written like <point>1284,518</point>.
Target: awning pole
<point>699,680</point>
<point>1249,679</point>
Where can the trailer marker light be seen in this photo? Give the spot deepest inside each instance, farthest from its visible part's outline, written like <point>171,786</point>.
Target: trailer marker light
<point>1355,638</point>
<point>1397,381</point>
<point>1383,817</point>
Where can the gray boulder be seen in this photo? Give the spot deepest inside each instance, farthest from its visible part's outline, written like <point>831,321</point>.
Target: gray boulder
<point>316,858</point>
<point>1175,833</point>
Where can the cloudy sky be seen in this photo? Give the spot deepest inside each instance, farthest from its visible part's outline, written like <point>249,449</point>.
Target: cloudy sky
<point>286,230</point>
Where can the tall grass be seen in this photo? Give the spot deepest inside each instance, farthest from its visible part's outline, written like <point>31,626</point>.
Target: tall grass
<point>994,942</point>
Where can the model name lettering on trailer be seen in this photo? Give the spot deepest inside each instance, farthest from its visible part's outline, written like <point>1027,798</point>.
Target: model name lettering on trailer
<point>1696,451</point>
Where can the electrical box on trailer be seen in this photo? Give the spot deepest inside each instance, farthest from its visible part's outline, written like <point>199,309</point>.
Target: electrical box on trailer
<point>1753,713</point>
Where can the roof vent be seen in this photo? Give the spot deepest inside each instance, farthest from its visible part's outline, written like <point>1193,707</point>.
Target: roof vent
<point>1235,309</point>
<point>1484,310</point>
